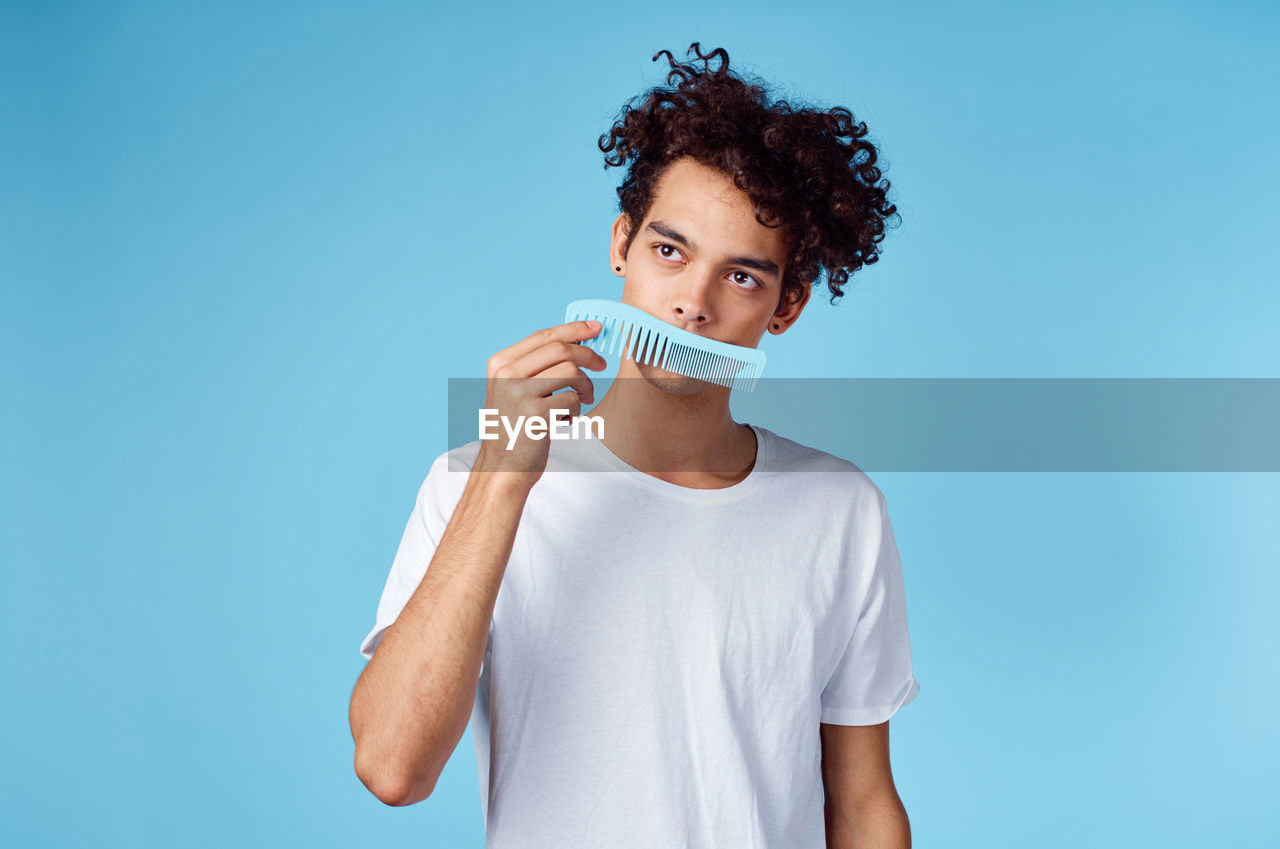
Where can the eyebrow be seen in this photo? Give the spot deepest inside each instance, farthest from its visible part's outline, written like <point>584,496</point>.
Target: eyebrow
<point>767,266</point>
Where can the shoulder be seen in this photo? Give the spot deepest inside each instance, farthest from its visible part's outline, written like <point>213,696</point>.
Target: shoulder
<point>459,459</point>
<point>825,473</point>
<point>446,478</point>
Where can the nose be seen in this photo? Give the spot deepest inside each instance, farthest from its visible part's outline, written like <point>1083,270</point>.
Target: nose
<point>689,307</point>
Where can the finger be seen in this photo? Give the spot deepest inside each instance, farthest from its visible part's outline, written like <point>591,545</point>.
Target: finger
<point>558,377</point>
<point>568,400</point>
<point>573,331</point>
<point>548,355</point>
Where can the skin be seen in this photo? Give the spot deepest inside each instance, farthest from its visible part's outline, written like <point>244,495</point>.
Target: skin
<point>862,807</point>
<point>413,700</point>
<point>685,266</point>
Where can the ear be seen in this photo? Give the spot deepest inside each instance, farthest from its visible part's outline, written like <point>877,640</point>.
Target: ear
<point>618,244</point>
<point>787,314</point>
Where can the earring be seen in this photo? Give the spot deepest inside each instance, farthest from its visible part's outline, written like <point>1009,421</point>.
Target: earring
<point>775,325</point>
<point>617,268</point>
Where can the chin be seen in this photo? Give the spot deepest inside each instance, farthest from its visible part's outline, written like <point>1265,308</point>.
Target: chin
<point>672,383</point>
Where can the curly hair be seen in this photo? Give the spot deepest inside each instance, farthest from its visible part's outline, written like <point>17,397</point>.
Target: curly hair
<point>806,170</point>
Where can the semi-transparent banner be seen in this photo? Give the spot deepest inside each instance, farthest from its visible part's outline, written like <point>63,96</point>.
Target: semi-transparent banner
<point>960,424</point>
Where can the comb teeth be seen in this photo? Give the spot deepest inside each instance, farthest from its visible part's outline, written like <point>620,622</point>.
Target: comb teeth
<point>638,336</point>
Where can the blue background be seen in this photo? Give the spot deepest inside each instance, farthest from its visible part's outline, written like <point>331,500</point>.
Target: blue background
<point>243,246</point>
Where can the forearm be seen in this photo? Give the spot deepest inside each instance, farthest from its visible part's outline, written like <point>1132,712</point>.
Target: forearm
<point>878,822</point>
<point>412,703</point>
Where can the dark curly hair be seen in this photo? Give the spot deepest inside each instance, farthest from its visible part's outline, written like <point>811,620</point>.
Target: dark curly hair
<point>806,170</point>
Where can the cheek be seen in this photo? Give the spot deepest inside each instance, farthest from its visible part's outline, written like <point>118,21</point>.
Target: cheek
<point>645,292</point>
<point>643,277</point>
<point>634,292</point>
<point>757,327</point>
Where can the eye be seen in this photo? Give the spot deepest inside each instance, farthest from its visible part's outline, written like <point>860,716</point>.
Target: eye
<point>755,284</point>
<point>663,246</point>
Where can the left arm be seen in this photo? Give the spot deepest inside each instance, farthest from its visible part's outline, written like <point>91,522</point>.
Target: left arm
<point>863,810</point>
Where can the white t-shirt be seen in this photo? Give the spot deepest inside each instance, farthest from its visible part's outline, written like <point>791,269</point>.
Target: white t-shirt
<point>660,657</point>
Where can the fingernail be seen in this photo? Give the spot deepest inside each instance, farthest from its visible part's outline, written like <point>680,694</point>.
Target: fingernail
<point>593,324</point>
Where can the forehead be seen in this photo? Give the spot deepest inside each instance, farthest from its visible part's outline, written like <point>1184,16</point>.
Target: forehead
<point>717,215</point>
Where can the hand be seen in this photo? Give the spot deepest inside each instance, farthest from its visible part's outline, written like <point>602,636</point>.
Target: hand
<point>521,381</point>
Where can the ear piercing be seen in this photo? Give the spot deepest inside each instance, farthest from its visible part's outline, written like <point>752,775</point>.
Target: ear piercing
<point>617,268</point>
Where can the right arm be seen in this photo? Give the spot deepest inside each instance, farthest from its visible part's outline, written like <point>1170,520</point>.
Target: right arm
<point>411,704</point>
<point>413,700</point>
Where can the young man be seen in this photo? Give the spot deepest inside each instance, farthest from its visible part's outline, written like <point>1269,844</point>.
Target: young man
<point>696,636</point>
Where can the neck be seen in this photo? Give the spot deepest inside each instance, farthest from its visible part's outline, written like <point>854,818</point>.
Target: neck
<point>686,439</point>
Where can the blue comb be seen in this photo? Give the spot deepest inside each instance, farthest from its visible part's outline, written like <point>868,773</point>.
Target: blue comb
<point>642,338</point>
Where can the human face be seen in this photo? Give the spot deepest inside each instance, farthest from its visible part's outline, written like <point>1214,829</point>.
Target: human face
<point>701,261</point>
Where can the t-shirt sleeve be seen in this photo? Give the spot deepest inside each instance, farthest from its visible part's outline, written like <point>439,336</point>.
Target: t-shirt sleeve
<point>873,677</point>
<point>436,500</point>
